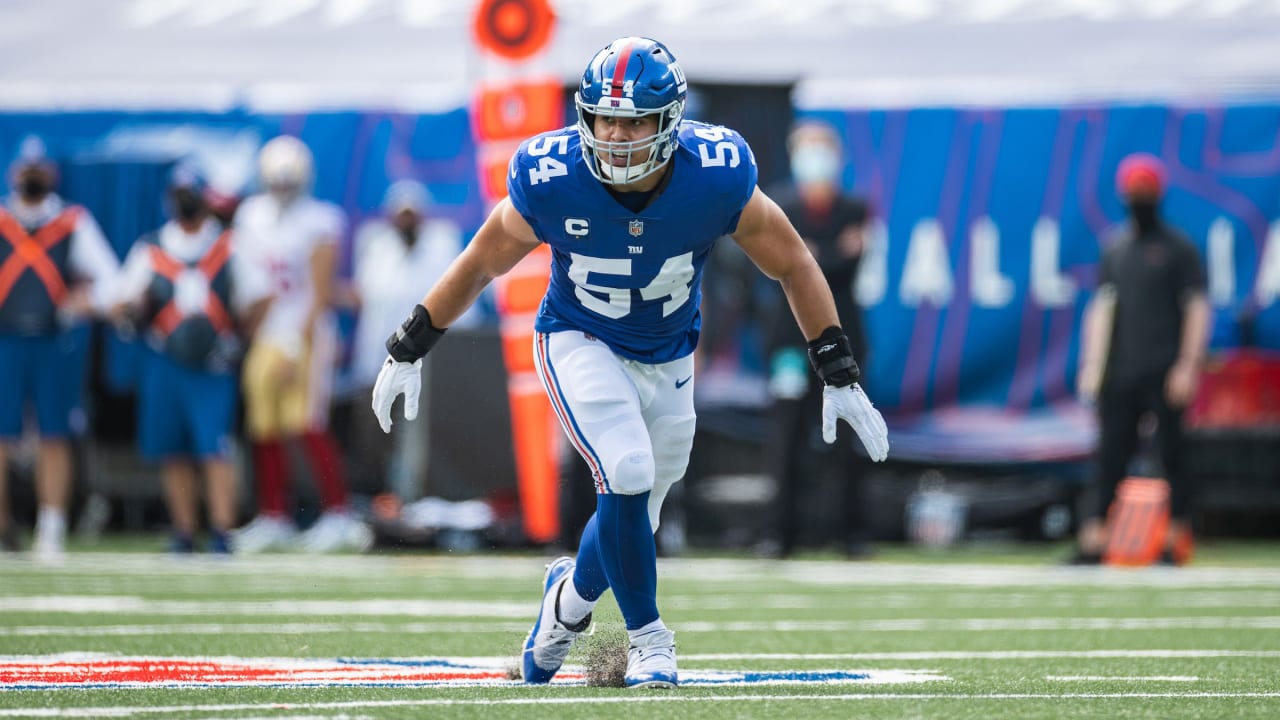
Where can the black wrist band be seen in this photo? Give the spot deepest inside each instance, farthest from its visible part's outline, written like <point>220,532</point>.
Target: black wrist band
<point>832,358</point>
<point>415,337</point>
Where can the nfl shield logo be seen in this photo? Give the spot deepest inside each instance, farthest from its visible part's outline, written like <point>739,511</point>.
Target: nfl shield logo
<point>636,228</point>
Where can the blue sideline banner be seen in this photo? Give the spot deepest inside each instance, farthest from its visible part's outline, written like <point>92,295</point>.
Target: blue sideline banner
<point>991,224</point>
<point>114,163</point>
<point>357,153</point>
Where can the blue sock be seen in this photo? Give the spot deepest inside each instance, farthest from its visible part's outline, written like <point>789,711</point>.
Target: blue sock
<point>629,556</point>
<point>588,575</point>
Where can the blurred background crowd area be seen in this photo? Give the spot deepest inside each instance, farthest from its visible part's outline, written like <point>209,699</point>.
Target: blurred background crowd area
<point>983,136</point>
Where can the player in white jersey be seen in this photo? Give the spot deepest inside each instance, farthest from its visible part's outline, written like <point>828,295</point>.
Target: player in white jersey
<point>288,370</point>
<point>631,202</point>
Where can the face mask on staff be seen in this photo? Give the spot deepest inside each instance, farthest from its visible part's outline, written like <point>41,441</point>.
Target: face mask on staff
<point>187,204</point>
<point>814,165</point>
<point>33,187</point>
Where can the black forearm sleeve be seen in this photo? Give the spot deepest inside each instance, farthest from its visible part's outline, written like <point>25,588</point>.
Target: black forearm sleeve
<point>832,358</point>
<point>415,337</point>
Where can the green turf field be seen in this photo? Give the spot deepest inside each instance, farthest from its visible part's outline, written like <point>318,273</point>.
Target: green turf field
<point>980,632</point>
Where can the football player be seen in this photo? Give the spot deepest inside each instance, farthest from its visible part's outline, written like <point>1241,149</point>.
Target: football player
<point>631,201</point>
<point>288,367</point>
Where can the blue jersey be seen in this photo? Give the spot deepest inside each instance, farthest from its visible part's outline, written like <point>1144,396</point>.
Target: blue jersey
<point>632,280</point>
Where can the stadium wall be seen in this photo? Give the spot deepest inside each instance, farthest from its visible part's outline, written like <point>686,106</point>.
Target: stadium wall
<point>993,220</point>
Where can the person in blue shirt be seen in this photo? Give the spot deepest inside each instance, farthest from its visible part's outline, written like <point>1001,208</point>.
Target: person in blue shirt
<point>196,301</point>
<point>57,270</point>
<point>631,201</point>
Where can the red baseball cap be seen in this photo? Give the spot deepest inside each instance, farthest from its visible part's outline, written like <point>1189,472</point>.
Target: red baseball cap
<point>1141,174</point>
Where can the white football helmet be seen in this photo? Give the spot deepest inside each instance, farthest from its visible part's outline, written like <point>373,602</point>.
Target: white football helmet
<point>286,167</point>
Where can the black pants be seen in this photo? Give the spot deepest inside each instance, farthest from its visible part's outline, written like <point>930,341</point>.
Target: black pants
<point>1120,410</point>
<point>796,465</point>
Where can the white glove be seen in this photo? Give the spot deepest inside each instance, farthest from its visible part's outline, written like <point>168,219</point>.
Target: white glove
<point>394,379</point>
<point>853,406</point>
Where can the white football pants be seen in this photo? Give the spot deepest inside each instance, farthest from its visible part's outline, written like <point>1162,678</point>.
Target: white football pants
<point>632,422</point>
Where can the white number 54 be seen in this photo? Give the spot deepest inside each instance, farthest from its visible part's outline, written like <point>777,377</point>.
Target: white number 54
<point>548,167</point>
<point>673,281</point>
<point>726,153</point>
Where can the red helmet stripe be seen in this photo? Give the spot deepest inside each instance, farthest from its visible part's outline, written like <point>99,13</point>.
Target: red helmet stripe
<point>620,71</point>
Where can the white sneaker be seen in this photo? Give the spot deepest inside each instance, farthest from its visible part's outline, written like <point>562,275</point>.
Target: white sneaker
<point>49,546</point>
<point>549,641</point>
<point>651,661</point>
<point>335,531</point>
<point>264,532</point>
<point>50,541</point>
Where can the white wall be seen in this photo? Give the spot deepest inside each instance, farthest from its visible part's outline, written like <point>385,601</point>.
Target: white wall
<point>417,54</point>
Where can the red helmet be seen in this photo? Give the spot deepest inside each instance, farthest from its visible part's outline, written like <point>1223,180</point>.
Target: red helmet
<point>1141,174</point>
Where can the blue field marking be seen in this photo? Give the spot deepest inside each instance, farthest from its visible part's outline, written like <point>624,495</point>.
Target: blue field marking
<point>469,664</point>
<point>688,677</point>
<point>715,677</point>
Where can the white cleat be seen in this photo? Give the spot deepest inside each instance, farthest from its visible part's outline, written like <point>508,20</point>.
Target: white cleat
<point>651,661</point>
<point>549,641</point>
<point>264,532</point>
<point>49,547</point>
<point>336,531</point>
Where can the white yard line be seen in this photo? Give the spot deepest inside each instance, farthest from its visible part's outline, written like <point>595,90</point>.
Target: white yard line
<point>543,699</point>
<point>1127,679</point>
<point>691,626</point>
<point>983,624</point>
<point>371,607</point>
<point>440,589</point>
<point>442,628</point>
<point>988,655</point>
<point>135,605</point>
<point>818,573</point>
<point>414,607</point>
<point>1050,598</point>
<point>344,716</point>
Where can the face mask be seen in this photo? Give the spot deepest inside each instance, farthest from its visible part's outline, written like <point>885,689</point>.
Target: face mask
<point>33,189</point>
<point>187,205</point>
<point>812,164</point>
<point>406,223</point>
<point>1145,214</point>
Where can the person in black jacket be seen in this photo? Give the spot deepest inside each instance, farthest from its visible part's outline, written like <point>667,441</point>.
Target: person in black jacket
<point>832,224</point>
<point>1145,333</point>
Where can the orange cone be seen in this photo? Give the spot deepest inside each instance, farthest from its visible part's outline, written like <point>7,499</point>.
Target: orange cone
<point>535,437</point>
<point>1137,522</point>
